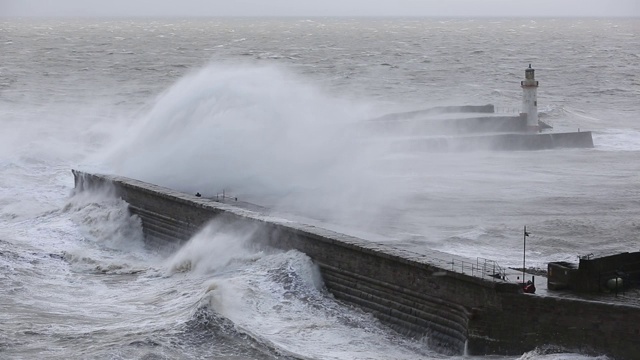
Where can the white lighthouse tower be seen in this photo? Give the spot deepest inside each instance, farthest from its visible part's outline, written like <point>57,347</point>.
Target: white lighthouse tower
<point>530,99</point>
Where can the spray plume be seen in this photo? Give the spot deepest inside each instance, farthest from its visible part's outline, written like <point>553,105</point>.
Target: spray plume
<point>261,134</point>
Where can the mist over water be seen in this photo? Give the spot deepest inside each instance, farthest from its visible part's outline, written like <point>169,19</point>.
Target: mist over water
<point>276,112</point>
<point>253,128</point>
<point>264,135</point>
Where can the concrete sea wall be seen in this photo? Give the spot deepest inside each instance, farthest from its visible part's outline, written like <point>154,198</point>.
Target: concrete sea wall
<point>589,327</point>
<point>456,126</point>
<point>416,294</point>
<point>481,109</point>
<point>501,142</point>
<point>467,133</point>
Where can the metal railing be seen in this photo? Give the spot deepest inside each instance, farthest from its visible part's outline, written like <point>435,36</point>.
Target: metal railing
<point>483,268</point>
<point>506,110</point>
<point>224,196</point>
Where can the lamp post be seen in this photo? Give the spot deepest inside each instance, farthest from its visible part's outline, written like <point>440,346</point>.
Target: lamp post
<point>524,252</point>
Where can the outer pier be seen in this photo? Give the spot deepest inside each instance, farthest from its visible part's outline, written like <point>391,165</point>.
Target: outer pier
<point>476,127</point>
<point>418,295</point>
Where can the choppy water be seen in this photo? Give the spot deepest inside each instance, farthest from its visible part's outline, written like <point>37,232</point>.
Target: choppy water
<point>270,111</point>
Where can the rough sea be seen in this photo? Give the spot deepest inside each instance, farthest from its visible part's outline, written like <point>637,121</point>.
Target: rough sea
<point>274,111</point>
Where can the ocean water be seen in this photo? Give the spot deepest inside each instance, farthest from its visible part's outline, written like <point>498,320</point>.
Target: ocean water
<point>274,111</point>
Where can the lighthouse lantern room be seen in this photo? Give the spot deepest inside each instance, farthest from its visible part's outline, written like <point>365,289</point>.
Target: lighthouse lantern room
<point>530,99</point>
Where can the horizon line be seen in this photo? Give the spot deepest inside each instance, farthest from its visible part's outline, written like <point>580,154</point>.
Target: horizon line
<point>328,16</point>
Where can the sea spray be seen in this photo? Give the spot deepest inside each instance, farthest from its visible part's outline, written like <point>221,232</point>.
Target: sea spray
<point>214,248</point>
<point>261,134</point>
<point>280,300</point>
<point>253,129</point>
<point>105,219</point>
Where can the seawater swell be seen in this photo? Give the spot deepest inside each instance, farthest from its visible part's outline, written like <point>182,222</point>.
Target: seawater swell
<point>443,324</point>
<point>409,314</point>
<point>413,293</point>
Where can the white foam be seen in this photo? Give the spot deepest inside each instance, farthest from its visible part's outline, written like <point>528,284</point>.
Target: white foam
<point>542,354</point>
<point>213,248</point>
<point>279,300</point>
<point>105,219</point>
<point>617,140</point>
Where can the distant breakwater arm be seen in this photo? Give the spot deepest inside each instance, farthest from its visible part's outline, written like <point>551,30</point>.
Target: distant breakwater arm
<point>418,295</point>
<point>487,109</point>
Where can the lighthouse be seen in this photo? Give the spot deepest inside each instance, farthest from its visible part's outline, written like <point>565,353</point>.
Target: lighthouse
<point>530,99</point>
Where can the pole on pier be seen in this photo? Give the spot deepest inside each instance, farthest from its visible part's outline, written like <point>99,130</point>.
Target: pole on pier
<point>524,253</point>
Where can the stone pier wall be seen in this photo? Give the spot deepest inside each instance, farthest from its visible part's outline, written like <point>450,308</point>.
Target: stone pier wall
<point>588,327</point>
<point>413,293</point>
<point>501,142</point>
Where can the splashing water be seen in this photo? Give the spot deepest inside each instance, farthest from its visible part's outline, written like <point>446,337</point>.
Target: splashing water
<point>262,134</point>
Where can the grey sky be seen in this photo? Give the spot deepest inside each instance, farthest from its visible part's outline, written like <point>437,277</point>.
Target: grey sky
<point>473,8</point>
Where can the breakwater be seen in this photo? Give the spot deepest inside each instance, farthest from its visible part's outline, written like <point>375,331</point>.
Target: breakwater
<point>454,126</point>
<point>469,128</point>
<point>486,109</point>
<point>417,294</point>
<point>500,142</point>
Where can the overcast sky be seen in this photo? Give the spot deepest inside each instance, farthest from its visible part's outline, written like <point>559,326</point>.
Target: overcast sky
<point>473,8</point>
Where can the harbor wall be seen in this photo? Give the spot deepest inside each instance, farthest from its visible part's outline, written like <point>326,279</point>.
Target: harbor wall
<point>573,325</point>
<point>501,142</point>
<point>481,109</point>
<point>418,295</point>
<point>457,126</point>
